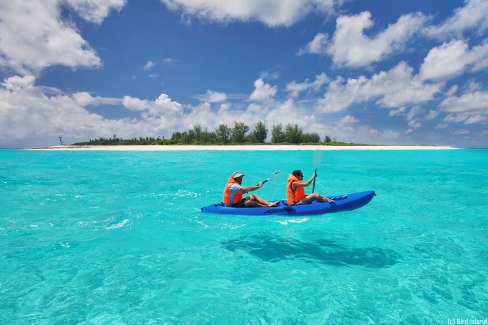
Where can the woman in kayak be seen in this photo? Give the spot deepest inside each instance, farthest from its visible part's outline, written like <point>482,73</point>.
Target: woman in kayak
<point>295,192</point>
<point>233,193</point>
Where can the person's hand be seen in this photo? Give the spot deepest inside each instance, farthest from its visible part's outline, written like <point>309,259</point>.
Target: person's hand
<point>260,184</point>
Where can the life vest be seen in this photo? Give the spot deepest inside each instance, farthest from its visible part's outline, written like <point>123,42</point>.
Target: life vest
<point>294,196</point>
<point>237,195</point>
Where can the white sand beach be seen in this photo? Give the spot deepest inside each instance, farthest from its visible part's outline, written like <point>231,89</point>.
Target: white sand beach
<point>241,147</point>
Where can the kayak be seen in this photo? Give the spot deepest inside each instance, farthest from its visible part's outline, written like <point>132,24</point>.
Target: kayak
<point>341,203</point>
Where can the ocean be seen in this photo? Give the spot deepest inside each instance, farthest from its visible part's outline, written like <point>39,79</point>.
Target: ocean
<point>98,237</point>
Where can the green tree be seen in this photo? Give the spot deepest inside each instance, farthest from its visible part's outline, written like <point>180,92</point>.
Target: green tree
<point>327,139</point>
<point>223,133</point>
<point>293,134</point>
<point>259,133</point>
<point>277,135</point>
<point>311,138</point>
<point>198,134</point>
<point>239,132</point>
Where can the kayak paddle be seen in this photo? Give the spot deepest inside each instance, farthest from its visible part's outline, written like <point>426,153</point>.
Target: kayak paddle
<point>273,176</point>
<point>317,157</point>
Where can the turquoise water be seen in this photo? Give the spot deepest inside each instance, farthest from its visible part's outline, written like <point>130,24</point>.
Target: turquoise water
<point>117,238</point>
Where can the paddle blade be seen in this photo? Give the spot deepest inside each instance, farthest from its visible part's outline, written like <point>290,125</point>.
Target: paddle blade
<point>317,158</point>
<point>275,175</point>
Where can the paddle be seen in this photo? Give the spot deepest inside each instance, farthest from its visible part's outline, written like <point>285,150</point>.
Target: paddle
<point>317,157</point>
<point>273,176</point>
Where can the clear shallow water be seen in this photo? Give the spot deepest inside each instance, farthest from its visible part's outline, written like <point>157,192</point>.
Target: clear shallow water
<point>117,237</point>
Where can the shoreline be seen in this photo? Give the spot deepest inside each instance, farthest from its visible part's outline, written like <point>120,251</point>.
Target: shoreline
<point>238,147</point>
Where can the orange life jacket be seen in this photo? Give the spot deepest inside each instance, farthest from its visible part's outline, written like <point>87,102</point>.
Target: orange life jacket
<point>294,196</point>
<point>237,195</point>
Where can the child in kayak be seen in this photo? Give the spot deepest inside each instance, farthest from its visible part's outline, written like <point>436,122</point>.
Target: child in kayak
<point>295,192</point>
<point>233,193</point>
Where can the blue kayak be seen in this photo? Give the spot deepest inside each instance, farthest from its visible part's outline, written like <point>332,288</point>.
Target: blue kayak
<point>341,203</point>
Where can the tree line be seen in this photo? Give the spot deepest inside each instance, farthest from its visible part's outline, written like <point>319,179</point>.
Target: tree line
<point>240,133</point>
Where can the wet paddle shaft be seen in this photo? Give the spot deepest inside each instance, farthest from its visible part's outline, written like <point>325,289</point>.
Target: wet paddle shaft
<point>317,157</point>
<point>273,176</point>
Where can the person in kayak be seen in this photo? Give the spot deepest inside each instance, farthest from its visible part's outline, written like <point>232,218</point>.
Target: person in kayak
<point>295,192</point>
<point>233,193</point>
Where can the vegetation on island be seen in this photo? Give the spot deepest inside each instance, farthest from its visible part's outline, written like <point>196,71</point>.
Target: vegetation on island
<point>225,135</point>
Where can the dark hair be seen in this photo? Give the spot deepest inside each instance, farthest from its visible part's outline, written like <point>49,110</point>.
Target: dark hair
<point>297,172</point>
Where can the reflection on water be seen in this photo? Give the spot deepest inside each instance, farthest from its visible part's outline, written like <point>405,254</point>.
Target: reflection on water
<point>276,248</point>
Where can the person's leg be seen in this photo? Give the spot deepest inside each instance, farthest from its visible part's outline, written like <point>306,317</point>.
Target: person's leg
<point>314,196</point>
<point>323,199</point>
<point>261,202</point>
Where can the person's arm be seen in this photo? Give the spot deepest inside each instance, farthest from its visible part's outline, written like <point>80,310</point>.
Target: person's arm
<point>246,189</point>
<point>303,184</point>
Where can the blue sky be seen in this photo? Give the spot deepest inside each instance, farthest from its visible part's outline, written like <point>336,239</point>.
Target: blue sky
<point>378,72</point>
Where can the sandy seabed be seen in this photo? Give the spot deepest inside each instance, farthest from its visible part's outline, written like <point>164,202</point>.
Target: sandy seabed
<point>239,147</point>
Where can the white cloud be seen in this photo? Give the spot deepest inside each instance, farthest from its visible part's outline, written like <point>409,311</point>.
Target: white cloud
<point>83,99</point>
<point>471,16</point>
<point>469,108</point>
<point>149,65</point>
<point>212,97</point>
<point>347,120</point>
<point>95,11</point>
<point>163,106</point>
<point>444,61</point>
<point>351,47</point>
<point>27,115</point>
<point>263,91</point>
<point>295,88</point>
<point>461,132</point>
<point>414,122</point>
<point>169,60</point>
<point>17,83</point>
<point>432,115</point>
<point>475,119</point>
<point>392,89</point>
<point>479,57</point>
<point>317,46</point>
<point>270,12</point>
<point>34,36</point>
<point>473,101</point>
<point>413,112</point>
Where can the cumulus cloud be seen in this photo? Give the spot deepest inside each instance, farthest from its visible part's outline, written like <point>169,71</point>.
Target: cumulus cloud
<point>468,108</point>
<point>263,91</point>
<point>351,47</point>
<point>95,11</point>
<point>317,46</point>
<point>212,97</point>
<point>479,57</point>
<point>34,36</point>
<point>17,83</point>
<point>270,12</point>
<point>473,101</point>
<point>27,114</point>
<point>149,65</point>
<point>392,89</point>
<point>295,88</point>
<point>471,16</point>
<point>347,120</point>
<point>163,106</point>
<point>452,59</point>
<point>445,61</point>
